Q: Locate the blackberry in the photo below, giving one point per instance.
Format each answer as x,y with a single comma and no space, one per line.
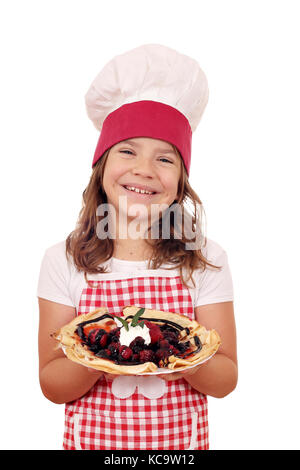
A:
171,337
137,345
114,335
94,348
114,349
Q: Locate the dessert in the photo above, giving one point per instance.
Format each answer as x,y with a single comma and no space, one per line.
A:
142,340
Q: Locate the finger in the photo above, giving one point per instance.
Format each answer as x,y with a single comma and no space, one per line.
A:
94,371
191,371
169,377
110,377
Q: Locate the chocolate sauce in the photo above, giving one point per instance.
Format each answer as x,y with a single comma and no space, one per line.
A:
94,320
198,345
79,329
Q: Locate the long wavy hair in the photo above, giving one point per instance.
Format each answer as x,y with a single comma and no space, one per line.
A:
89,252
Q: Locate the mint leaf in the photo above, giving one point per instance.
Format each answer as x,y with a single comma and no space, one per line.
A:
124,322
137,316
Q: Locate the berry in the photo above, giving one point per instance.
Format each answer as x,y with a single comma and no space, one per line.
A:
137,344
164,344
146,355
125,353
174,350
114,349
101,353
154,331
92,335
161,354
171,337
164,352
115,334
103,340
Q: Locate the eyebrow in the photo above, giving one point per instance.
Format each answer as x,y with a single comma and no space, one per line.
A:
135,144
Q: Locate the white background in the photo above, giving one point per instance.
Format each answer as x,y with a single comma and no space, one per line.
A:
244,169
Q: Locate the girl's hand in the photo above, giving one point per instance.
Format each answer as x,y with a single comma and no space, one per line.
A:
95,371
180,375
110,377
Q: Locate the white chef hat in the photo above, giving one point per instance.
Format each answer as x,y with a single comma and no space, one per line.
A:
150,91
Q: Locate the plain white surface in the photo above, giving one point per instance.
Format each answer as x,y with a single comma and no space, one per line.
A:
244,168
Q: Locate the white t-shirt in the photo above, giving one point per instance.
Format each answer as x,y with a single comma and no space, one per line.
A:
60,282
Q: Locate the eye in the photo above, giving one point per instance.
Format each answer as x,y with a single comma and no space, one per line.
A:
125,151
163,158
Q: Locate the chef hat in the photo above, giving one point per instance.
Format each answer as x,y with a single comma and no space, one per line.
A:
150,91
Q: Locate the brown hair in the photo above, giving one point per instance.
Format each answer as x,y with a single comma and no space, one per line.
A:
89,252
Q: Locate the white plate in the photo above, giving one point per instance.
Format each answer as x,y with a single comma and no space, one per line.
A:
161,371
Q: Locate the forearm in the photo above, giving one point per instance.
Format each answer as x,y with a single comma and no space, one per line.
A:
62,380
217,377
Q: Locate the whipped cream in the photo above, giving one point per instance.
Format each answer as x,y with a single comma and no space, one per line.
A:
133,332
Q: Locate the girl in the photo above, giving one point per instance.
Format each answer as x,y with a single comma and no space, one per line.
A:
146,103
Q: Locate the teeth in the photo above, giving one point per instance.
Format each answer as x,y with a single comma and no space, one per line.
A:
142,191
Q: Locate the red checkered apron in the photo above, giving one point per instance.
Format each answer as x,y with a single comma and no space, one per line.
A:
100,420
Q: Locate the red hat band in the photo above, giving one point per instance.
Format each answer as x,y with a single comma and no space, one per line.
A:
146,119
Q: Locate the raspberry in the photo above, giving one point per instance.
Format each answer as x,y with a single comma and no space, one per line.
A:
154,331
164,344
125,353
103,340
92,335
146,355
172,350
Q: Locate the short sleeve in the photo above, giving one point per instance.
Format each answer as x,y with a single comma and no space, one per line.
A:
215,285
54,277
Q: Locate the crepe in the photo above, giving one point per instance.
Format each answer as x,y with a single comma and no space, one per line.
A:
190,330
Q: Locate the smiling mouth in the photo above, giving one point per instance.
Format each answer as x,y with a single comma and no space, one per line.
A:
140,192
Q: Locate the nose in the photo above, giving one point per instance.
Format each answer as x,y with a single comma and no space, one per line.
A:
143,167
